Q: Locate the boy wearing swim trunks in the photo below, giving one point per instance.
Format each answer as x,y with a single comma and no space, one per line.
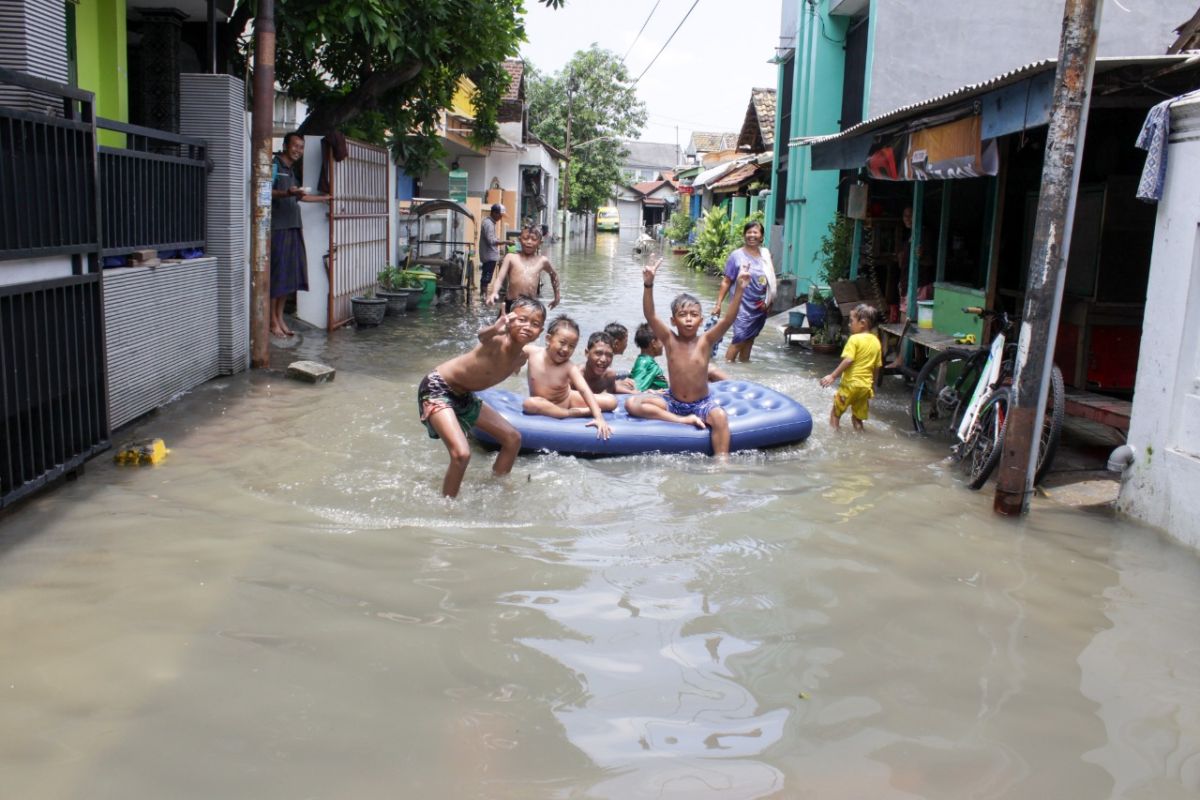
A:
446,397
688,351
862,358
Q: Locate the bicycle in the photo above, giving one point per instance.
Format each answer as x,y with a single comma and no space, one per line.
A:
981,378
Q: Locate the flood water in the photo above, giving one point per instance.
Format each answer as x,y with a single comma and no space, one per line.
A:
286,608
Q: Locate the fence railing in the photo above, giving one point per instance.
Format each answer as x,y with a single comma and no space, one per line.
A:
53,378
47,170
152,191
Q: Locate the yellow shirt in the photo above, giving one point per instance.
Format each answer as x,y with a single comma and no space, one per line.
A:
867,354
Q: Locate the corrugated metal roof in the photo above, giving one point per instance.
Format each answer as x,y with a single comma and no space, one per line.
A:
736,178
972,89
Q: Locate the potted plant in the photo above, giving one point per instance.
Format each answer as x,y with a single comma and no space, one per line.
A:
826,340
411,279
368,309
814,309
392,289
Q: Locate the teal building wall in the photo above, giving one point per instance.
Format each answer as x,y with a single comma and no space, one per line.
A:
816,103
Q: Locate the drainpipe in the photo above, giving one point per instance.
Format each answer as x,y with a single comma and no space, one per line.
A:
1121,458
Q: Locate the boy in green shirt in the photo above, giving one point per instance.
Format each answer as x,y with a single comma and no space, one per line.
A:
647,375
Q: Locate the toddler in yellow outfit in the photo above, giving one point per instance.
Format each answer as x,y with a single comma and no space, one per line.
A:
862,358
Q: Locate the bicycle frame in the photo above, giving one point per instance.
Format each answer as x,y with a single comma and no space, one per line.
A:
987,381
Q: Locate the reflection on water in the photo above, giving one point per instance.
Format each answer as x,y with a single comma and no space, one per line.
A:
287,608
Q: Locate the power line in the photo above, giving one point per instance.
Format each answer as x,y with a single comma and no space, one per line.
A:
669,38
639,33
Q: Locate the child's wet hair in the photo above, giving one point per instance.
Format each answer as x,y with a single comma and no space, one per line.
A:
617,331
562,321
644,335
599,336
866,313
682,300
526,301
534,229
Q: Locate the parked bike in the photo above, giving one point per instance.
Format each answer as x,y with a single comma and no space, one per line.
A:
965,394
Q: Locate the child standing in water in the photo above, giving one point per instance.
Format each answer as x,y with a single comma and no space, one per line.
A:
446,397
862,359
524,271
688,352
556,386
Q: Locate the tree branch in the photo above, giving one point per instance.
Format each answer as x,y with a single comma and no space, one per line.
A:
327,115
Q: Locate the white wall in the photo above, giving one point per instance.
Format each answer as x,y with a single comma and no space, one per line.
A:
925,48
34,269
1162,487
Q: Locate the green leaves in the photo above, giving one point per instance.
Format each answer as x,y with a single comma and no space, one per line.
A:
597,93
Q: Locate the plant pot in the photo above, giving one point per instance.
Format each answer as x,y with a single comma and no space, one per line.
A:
825,348
816,314
397,299
368,311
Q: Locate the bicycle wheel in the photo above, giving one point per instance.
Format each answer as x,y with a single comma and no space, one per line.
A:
1052,424
981,453
943,387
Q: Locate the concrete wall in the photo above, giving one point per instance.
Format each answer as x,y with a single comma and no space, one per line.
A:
33,40
925,49
1162,487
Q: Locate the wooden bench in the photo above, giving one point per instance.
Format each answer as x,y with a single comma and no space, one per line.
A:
1108,411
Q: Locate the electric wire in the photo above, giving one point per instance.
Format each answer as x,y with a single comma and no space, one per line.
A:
669,38
639,33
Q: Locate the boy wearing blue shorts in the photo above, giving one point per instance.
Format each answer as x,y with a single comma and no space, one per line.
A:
688,351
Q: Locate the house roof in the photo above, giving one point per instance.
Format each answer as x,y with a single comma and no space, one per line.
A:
957,96
649,187
658,156
758,129
515,68
735,178
1189,35
707,142
551,149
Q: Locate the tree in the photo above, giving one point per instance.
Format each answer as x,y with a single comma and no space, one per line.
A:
383,70
594,91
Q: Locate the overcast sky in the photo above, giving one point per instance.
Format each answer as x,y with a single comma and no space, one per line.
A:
702,81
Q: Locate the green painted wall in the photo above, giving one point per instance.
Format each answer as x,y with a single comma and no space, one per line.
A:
816,107
101,60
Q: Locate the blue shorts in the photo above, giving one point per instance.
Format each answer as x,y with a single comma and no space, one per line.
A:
701,408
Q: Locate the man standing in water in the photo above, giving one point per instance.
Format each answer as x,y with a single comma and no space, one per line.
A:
489,247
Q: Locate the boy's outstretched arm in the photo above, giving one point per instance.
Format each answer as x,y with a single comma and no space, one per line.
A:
585,391
549,268
715,333
497,328
498,281
661,331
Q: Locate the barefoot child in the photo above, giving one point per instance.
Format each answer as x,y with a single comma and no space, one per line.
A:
524,271
596,370
446,399
688,352
552,376
861,360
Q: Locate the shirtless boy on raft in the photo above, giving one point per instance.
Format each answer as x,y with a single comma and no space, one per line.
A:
688,352
446,397
524,271
597,369
556,386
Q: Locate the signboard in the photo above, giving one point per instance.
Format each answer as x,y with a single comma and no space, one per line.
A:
458,185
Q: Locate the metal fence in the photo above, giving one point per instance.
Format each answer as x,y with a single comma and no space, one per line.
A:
359,225
152,191
47,173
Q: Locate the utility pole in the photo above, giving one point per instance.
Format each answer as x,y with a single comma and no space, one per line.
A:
566,181
1048,261
260,149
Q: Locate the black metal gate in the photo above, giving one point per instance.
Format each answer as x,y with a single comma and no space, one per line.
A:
53,381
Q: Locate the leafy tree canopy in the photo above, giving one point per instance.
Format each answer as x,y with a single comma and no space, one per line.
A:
382,70
595,90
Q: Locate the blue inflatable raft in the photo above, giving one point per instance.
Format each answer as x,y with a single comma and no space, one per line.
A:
759,417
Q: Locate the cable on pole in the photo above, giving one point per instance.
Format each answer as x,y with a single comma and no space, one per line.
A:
639,33
669,38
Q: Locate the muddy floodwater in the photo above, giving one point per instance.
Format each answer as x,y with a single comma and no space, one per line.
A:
286,608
